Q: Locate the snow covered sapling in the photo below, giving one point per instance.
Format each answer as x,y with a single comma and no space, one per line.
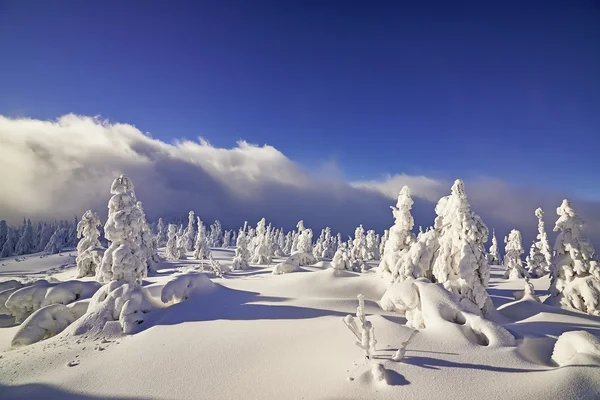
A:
364,330
512,257
216,231
122,260
494,254
226,239
147,242
460,262
242,255
400,235
372,246
172,251
161,233
215,266
88,248
540,257
575,273
261,244
201,250
189,233
383,241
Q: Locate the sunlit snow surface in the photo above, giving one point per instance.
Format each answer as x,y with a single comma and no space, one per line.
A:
255,335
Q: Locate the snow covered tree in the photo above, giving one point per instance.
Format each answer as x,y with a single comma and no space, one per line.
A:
261,244
147,241
318,247
300,226
328,245
512,256
416,261
294,247
173,251
122,260
3,233
384,239
201,250
8,249
372,246
57,241
25,244
305,241
216,232
540,257
72,234
189,233
226,239
161,233
460,261
44,236
494,254
575,273
359,250
242,255
88,248
287,248
400,235
364,330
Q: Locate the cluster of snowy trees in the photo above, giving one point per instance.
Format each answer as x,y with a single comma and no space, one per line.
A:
50,238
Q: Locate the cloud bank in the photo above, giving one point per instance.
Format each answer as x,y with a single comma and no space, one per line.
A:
57,169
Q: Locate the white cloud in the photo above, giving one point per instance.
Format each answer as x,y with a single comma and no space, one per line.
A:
55,169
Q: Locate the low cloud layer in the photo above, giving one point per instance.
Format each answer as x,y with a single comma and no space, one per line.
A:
57,169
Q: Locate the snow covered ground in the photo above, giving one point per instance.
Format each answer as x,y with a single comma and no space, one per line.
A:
255,335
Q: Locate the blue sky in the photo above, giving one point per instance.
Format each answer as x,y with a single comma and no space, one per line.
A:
506,89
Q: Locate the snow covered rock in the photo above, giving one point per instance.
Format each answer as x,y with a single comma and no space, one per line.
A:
572,343
48,321
429,305
182,287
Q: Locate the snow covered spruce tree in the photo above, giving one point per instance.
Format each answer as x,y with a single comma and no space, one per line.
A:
201,250
147,241
56,242
89,247
216,231
372,246
122,260
384,239
8,249
416,261
359,251
575,273
161,233
328,245
494,254
26,244
512,257
172,251
242,255
226,239
400,235
540,256
304,252
460,262
189,233
261,244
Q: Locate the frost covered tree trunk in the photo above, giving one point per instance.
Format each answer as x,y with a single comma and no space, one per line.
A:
400,236
512,257
460,262
575,273
89,247
122,260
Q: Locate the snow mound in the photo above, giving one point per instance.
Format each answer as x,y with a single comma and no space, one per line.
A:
48,321
301,258
181,287
116,308
286,267
429,305
572,343
70,291
11,284
24,301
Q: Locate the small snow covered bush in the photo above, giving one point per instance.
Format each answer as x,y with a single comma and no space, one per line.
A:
363,330
46,322
182,287
494,254
116,307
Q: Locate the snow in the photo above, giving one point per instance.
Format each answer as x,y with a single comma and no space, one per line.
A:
182,287
259,336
